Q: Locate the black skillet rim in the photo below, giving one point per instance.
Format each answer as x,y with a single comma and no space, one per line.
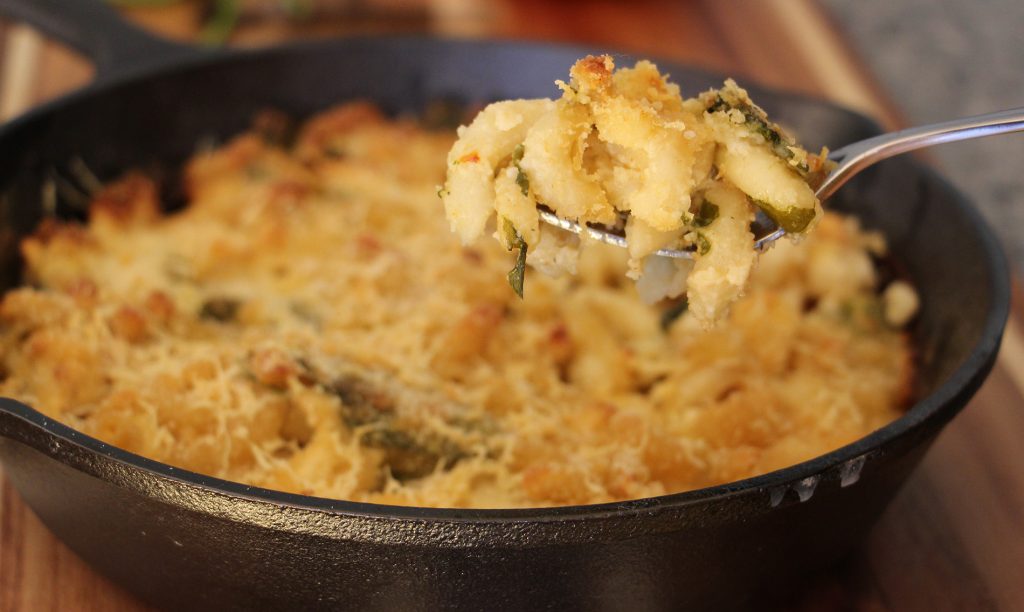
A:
960,385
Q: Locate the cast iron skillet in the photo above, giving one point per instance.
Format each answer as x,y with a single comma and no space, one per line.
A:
179,539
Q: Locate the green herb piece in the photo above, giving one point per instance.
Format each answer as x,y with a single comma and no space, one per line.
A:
703,244
517,274
523,181
220,309
222,22
392,420
256,172
521,177
511,235
756,121
409,457
409,452
794,219
514,241
674,312
863,314
706,215
440,191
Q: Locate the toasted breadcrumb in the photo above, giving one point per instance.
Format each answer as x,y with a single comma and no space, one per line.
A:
308,323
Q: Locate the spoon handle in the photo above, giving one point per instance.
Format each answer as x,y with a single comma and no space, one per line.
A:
859,155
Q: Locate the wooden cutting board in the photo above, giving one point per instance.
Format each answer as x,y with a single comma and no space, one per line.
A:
952,539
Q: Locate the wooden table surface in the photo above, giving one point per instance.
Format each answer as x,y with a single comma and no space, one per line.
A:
954,537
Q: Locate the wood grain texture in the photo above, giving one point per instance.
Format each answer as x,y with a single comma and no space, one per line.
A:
951,540
37,572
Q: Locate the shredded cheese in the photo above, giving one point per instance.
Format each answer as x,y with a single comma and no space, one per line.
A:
308,323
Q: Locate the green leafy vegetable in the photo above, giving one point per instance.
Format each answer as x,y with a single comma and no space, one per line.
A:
409,451
511,236
706,215
794,220
517,274
514,241
393,420
703,244
756,121
222,22
521,178
523,181
220,309
863,314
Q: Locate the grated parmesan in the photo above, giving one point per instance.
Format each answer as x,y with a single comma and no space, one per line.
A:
309,324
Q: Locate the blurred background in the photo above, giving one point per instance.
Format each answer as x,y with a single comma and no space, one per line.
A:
928,59
947,58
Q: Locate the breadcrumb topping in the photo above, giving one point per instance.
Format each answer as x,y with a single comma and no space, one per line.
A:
308,323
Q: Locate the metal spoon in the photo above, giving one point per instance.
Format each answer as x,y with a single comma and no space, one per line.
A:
851,159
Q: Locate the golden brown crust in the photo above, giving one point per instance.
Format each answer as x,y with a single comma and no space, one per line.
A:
314,140
132,199
592,73
315,328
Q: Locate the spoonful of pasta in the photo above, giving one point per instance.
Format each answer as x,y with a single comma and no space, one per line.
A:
622,158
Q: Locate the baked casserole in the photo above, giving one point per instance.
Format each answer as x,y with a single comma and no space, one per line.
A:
308,323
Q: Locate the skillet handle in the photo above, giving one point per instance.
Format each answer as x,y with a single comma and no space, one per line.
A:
94,28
